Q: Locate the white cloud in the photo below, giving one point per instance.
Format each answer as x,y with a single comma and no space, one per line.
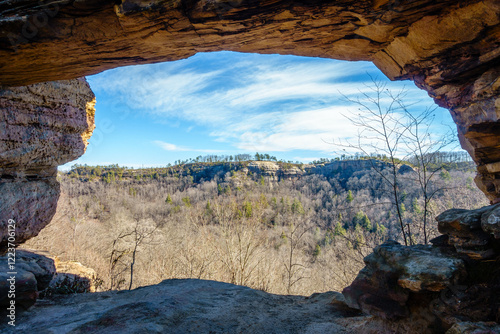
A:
170,147
278,105
175,148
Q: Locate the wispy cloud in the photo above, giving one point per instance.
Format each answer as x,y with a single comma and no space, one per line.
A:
176,148
275,104
170,147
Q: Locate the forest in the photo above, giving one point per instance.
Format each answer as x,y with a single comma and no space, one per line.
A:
273,230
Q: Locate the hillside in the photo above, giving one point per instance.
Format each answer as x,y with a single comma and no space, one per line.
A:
278,227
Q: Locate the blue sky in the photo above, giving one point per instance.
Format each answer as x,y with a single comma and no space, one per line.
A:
227,103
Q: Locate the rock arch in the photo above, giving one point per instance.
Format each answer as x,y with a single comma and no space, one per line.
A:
451,49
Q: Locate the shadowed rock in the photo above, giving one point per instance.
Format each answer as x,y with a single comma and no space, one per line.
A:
190,306
430,289
393,272
33,273
472,232
42,126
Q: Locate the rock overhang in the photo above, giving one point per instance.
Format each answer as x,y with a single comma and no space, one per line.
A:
451,49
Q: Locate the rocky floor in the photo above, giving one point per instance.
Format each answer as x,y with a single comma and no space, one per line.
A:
190,306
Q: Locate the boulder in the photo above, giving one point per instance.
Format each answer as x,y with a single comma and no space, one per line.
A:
490,222
72,277
394,272
474,328
32,273
472,232
452,285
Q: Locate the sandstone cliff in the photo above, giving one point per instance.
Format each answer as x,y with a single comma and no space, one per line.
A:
42,126
449,48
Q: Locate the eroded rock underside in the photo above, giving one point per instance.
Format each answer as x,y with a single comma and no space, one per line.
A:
449,48
430,289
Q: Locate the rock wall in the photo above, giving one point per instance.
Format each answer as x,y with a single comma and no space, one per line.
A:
449,48
42,126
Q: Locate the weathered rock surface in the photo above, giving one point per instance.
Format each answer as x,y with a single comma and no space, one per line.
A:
274,171
72,277
41,126
449,48
453,285
472,232
394,273
475,328
190,306
490,222
93,36
33,273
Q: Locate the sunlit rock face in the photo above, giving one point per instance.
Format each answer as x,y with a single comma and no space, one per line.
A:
449,48
42,126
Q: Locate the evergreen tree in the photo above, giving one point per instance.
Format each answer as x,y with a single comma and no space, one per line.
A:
187,201
350,197
317,251
339,230
297,207
262,180
247,208
168,200
208,208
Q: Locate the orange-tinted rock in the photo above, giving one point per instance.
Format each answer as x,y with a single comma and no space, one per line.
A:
449,48
73,277
41,126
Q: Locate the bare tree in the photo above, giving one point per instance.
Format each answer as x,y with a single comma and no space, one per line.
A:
127,243
425,146
239,246
294,269
381,130
389,129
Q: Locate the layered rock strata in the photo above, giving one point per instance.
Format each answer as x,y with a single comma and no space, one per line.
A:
449,48
42,126
449,285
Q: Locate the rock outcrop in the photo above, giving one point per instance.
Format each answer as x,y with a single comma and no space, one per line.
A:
451,285
42,126
449,48
72,277
474,233
189,306
33,273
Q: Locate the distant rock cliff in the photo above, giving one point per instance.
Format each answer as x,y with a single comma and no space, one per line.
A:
270,170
